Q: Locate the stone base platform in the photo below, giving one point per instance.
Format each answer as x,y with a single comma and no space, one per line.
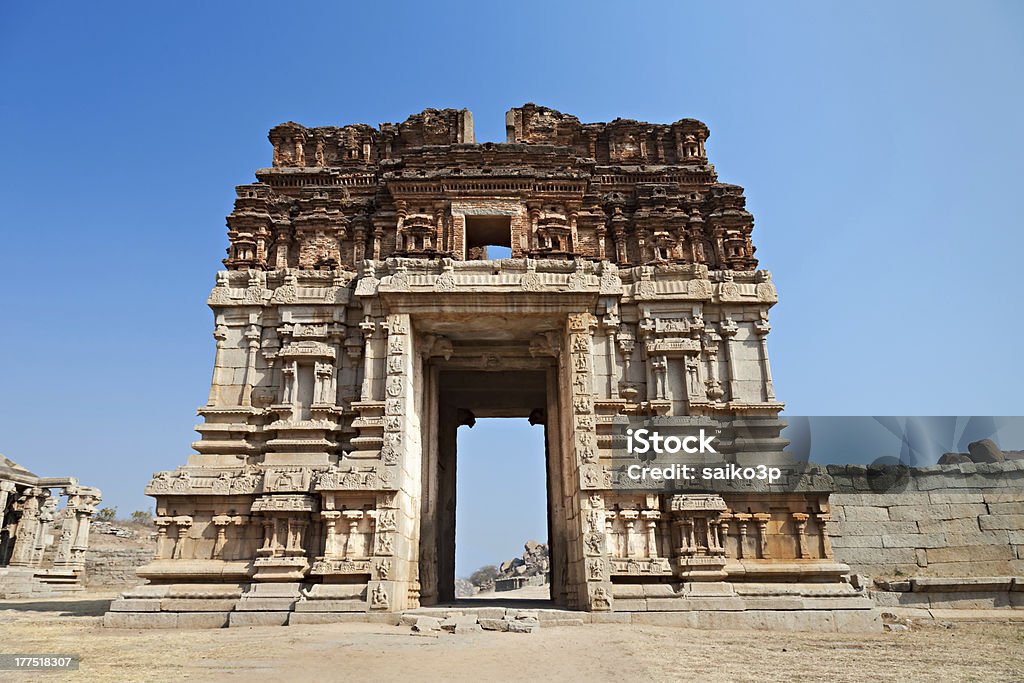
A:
829,621
27,582
188,606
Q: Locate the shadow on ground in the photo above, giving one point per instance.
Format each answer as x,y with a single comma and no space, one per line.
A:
66,608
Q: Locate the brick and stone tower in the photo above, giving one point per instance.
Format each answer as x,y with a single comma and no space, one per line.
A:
359,323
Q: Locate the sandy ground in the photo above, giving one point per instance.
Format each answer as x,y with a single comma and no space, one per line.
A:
365,652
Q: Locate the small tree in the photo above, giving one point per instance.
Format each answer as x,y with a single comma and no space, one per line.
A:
484,577
142,517
106,515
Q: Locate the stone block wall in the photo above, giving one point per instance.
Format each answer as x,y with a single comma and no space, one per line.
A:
115,567
942,521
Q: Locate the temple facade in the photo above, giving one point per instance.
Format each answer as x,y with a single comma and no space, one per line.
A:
359,322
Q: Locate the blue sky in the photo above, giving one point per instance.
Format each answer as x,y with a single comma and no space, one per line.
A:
879,144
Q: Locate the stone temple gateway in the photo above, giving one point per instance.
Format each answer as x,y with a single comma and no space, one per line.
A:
359,323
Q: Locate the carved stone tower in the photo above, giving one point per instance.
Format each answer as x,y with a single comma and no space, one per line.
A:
359,322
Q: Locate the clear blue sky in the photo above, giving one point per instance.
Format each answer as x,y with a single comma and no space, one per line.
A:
880,145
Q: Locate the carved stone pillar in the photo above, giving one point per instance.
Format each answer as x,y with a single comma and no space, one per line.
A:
330,518
352,549
610,546
269,537
369,329
47,514
728,329
378,235
619,228
161,524
710,350
626,343
220,333
220,522
296,537
826,542
762,519
252,336
358,244
742,518
762,328
801,539
182,524
651,518
28,528
610,326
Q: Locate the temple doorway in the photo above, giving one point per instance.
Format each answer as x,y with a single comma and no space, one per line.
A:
472,485
501,513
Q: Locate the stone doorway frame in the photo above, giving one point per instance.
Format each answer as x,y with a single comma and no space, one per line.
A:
480,332
458,392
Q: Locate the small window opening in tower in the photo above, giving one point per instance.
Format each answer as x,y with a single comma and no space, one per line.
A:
488,237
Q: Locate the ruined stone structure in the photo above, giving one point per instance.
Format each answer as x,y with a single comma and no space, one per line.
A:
359,323
42,548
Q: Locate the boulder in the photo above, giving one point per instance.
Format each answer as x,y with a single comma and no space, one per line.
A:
985,450
954,458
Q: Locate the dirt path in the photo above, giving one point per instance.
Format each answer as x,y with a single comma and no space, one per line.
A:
366,652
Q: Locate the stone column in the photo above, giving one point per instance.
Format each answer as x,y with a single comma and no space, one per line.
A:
762,328
28,528
728,329
358,244
714,383
85,506
801,540
220,333
330,518
221,522
609,534
68,535
826,543
182,525
252,336
651,518
762,519
353,517
269,537
610,326
620,239
629,518
589,577
161,536
742,518
368,328
7,490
